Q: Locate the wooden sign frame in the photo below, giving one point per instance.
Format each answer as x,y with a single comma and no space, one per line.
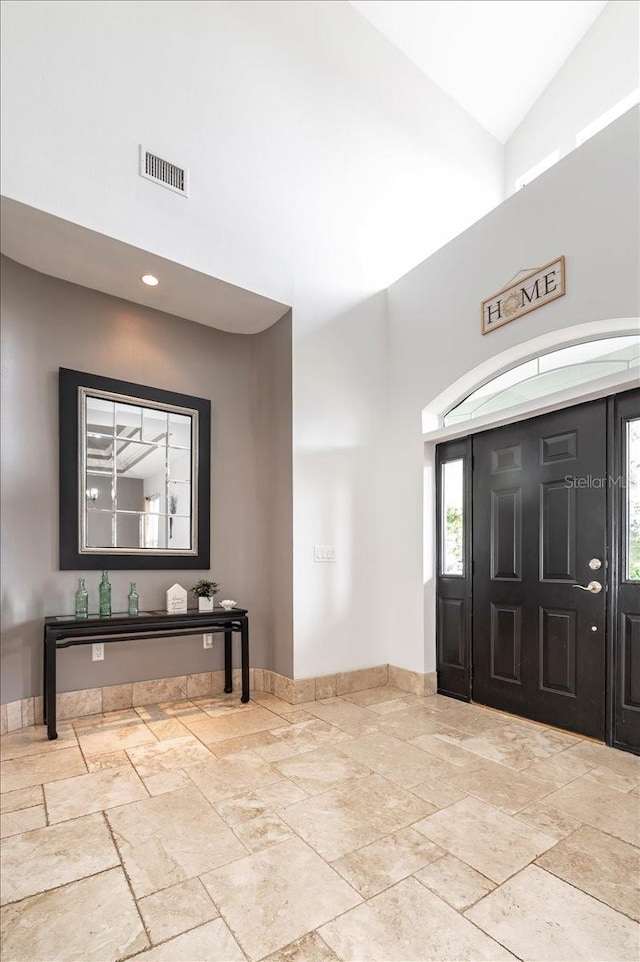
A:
527,294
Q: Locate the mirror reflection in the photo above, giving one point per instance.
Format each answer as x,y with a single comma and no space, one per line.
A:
138,466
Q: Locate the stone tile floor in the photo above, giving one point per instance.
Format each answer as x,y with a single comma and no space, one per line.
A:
374,827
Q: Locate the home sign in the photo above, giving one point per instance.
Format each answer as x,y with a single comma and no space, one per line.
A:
530,292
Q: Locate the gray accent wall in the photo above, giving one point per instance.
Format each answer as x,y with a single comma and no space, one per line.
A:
49,323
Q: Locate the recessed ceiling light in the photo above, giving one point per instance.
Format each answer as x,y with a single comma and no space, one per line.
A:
150,280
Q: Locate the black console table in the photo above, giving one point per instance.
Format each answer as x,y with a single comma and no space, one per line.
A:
65,631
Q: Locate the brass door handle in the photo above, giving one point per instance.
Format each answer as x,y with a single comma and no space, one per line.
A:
594,587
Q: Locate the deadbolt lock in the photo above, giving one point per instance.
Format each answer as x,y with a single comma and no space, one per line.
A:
595,564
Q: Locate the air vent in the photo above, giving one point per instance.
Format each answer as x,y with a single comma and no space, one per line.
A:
164,172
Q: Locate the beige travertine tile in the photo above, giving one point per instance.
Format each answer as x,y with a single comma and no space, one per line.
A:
310,948
410,722
277,705
458,884
613,812
37,769
298,715
352,815
516,744
34,741
38,704
169,729
318,771
253,821
212,730
301,737
257,676
602,756
349,681
24,820
403,764
613,779
548,819
84,794
397,704
159,690
14,716
46,926
222,704
175,910
49,857
199,685
290,891
500,786
221,778
74,704
374,696
99,763
4,721
283,687
217,682
165,782
379,865
326,686
408,922
247,744
495,844
600,865
280,794
412,681
304,690
438,793
166,710
22,798
351,718
105,722
212,942
558,769
538,916
28,712
113,736
117,697
170,838
445,749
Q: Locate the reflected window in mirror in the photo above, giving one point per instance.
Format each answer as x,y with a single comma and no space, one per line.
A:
141,491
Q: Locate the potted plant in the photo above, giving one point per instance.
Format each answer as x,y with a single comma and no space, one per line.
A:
204,591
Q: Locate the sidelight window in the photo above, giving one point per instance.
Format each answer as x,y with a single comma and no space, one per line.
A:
632,483
452,518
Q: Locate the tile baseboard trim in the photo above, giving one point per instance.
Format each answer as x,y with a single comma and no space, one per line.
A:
27,712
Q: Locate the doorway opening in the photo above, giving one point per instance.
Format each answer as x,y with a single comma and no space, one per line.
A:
538,579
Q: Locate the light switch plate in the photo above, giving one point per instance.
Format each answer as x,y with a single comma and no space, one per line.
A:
324,552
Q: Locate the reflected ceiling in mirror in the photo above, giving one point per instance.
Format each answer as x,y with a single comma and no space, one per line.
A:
140,495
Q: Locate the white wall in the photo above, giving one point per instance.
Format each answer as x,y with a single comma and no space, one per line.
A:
602,70
587,208
323,165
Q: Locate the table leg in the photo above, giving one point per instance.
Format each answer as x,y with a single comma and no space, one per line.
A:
228,661
50,686
244,636
44,677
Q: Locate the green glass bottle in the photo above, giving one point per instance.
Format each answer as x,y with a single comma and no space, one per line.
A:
82,600
105,596
133,600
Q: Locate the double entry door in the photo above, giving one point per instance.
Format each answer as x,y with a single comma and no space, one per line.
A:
539,569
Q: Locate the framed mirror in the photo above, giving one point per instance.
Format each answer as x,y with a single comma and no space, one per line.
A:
134,475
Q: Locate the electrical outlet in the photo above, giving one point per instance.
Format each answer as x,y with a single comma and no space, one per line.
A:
207,641
97,652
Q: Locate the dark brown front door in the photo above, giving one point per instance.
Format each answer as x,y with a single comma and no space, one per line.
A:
539,538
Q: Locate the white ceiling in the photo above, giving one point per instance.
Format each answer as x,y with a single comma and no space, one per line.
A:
57,247
494,57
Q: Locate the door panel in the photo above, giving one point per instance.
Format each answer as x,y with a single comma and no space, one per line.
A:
625,619
453,527
539,500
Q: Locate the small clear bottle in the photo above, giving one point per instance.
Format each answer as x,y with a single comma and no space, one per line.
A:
133,600
82,600
105,596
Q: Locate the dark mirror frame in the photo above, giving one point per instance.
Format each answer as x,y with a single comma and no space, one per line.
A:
71,558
